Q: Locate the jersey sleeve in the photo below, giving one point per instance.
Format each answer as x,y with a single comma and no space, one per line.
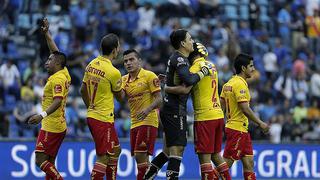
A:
85,77
241,93
184,74
123,79
153,82
222,95
116,81
58,87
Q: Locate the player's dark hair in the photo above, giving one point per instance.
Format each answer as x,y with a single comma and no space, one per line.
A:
109,43
177,36
137,54
242,60
60,57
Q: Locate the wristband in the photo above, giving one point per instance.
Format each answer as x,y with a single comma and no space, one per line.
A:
43,114
200,74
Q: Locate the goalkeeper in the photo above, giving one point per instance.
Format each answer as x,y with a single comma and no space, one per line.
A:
173,114
208,117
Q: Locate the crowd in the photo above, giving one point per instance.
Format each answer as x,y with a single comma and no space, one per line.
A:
282,36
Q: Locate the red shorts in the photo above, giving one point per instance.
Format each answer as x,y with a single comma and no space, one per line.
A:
49,142
238,144
104,136
142,139
208,136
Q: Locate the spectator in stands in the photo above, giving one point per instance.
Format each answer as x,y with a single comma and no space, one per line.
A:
4,124
270,64
116,20
275,130
283,86
26,90
299,112
80,18
72,118
315,85
23,110
300,88
313,30
146,17
132,18
313,113
284,20
219,36
10,79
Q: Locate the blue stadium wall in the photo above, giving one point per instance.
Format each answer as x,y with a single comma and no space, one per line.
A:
75,160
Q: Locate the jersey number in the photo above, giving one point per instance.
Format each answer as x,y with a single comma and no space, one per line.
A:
92,90
214,87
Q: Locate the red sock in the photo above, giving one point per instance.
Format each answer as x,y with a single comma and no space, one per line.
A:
98,171
223,169
142,168
111,171
50,170
206,171
215,174
249,175
48,177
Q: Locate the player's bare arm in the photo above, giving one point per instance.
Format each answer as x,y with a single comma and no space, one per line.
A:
156,104
178,89
247,111
45,29
84,94
120,96
223,104
36,119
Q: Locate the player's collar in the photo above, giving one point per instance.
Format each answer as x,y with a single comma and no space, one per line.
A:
104,59
138,76
242,79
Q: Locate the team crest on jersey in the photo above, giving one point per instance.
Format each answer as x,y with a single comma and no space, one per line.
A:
156,82
242,91
58,88
181,61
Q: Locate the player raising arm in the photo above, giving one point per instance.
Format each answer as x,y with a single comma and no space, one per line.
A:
52,118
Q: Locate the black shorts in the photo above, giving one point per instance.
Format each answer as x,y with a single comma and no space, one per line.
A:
175,129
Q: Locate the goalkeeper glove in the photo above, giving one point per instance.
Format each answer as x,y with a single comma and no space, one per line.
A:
205,70
202,50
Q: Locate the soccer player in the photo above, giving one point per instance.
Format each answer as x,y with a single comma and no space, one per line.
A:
101,82
174,110
235,98
53,122
208,116
142,89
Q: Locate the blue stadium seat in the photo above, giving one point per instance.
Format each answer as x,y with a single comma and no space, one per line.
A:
244,1
230,2
262,2
244,12
264,14
24,21
231,12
